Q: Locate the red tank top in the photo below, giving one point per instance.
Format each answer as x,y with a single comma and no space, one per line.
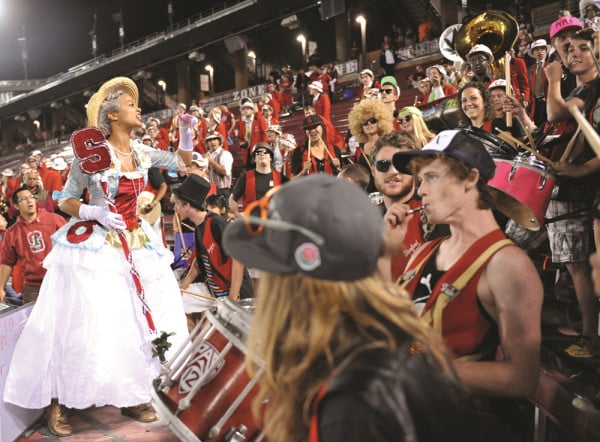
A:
250,187
457,314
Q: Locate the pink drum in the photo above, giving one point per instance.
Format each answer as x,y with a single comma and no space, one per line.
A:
526,186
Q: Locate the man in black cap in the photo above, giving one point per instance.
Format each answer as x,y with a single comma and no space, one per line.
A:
224,276
479,289
253,184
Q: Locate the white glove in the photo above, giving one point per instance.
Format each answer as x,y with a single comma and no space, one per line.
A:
110,220
186,124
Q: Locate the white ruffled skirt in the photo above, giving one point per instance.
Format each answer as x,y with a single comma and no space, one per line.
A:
86,341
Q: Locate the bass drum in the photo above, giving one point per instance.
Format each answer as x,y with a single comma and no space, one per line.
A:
496,147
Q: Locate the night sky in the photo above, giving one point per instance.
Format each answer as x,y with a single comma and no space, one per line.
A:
57,31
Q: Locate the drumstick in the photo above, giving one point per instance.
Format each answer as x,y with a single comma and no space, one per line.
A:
509,115
180,232
588,131
199,295
506,136
328,153
596,63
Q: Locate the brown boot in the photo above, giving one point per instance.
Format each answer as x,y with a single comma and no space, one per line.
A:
141,413
56,418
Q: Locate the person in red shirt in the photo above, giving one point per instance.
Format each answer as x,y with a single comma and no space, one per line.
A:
9,185
286,81
519,79
53,181
321,101
251,127
159,134
28,240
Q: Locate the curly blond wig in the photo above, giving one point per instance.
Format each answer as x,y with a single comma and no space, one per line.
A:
370,109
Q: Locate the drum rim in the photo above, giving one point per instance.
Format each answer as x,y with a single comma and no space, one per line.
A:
221,327
173,422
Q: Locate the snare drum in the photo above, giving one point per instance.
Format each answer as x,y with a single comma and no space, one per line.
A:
496,147
205,393
526,186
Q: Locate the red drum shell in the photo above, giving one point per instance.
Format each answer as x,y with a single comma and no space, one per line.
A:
219,390
525,187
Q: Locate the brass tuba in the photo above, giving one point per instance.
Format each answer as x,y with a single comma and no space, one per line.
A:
498,30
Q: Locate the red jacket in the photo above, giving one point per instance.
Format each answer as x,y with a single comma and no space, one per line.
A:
30,243
544,87
519,79
258,131
323,106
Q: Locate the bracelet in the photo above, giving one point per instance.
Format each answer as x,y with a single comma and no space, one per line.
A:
153,203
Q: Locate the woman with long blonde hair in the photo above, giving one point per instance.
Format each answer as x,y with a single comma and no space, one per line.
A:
411,121
344,357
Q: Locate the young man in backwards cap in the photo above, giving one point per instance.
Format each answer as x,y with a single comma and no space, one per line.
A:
479,290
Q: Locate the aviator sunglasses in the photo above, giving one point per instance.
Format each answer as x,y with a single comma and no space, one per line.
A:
255,218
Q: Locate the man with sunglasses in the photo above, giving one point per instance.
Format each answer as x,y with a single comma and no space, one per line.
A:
398,189
29,241
253,185
223,275
390,92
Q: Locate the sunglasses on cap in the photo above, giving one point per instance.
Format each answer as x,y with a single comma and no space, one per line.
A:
372,120
383,165
261,152
256,218
388,91
405,119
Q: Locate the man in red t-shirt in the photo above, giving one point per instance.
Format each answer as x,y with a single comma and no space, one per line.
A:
28,240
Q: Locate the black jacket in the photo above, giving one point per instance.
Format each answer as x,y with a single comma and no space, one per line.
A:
395,396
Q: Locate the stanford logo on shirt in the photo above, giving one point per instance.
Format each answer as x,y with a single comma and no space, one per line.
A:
36,241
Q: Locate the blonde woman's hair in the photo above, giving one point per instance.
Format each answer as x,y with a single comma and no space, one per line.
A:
421,132
366,109
306,329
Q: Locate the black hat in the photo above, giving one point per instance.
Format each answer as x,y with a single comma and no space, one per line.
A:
311,121
193,190
263,145
320,226
454,143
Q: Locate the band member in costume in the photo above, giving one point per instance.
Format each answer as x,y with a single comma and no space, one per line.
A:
316,155
88,339
479,290
369,120
364,368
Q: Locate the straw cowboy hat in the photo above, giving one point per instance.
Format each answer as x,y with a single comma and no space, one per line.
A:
124,84
144,199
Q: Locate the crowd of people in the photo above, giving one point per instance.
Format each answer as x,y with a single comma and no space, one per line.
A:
394,292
